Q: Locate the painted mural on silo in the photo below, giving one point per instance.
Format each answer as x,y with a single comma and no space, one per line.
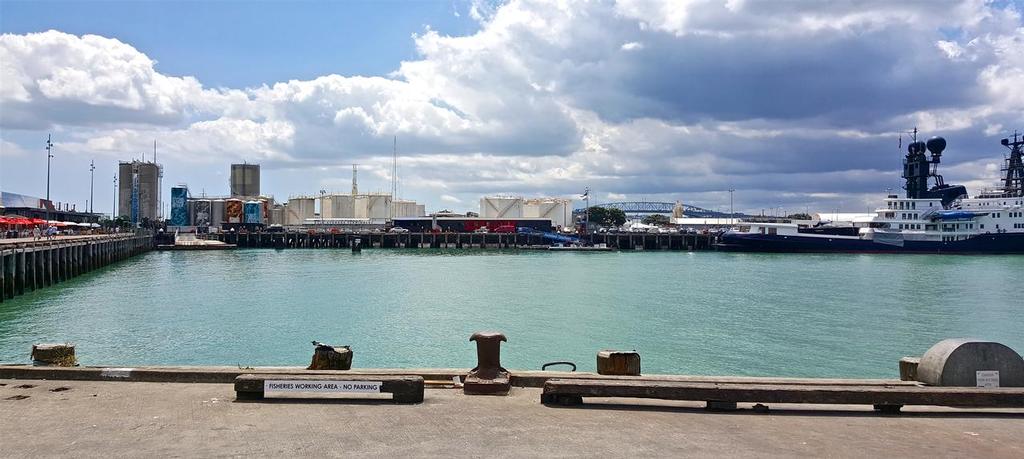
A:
252,212
179,208
233,208
202,213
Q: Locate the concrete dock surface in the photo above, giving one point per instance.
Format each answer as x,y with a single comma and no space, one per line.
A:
47,418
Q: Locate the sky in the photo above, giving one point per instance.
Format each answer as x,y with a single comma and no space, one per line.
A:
797,105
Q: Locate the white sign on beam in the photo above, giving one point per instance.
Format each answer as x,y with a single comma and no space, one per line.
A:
987,378
361,387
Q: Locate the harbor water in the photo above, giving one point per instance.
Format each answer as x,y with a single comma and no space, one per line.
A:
704,313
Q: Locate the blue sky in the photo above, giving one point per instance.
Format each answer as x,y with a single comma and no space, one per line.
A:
793,104
240,44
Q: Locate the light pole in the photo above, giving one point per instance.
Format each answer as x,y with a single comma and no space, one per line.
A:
732,214
586,210
92,175
322,193
49,154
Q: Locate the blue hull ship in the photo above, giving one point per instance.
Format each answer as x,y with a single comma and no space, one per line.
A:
937,219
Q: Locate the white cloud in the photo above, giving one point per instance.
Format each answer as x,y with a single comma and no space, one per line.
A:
543,100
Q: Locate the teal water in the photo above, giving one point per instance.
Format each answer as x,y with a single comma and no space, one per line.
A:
691,313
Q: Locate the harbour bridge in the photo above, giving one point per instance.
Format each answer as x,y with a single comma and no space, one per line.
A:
640,208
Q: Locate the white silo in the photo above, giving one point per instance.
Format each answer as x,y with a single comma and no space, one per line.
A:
558,210
374,206
338,206
501,207
299,209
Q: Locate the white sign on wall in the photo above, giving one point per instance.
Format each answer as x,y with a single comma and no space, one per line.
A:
987,378
361,387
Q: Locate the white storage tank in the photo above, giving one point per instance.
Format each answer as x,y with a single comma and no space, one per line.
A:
299,209
501,207
404,208
217,213
373,206
338,206
558,210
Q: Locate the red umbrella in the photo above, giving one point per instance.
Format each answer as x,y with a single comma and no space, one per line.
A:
3,220
38,221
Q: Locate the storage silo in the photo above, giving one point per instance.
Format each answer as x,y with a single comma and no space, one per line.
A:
338,206
245,180
501,207
179,206
276,216
201,213
190,211
217,213
298,210
558,210
233,210
373,206
253,211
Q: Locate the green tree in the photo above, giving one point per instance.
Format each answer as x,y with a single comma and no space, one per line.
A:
799,216
607,217
656,219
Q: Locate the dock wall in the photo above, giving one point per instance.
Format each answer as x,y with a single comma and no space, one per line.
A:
29,266
626,241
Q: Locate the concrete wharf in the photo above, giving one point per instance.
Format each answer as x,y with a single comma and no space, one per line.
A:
621,241
27,264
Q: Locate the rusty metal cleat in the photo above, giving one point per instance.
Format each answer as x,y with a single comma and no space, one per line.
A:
488,378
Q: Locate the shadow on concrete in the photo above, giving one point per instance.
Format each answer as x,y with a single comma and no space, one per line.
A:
791,411
323,401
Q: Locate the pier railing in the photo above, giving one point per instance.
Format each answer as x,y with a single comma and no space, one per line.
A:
27,265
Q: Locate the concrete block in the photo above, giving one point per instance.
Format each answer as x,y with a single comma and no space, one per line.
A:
60,355
908,368
620,363
971,363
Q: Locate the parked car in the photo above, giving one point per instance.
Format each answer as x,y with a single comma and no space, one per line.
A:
481,230
398,229
505,229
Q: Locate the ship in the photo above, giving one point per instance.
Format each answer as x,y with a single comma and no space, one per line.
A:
932,216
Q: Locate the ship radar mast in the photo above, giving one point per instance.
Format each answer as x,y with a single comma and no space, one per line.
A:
918,168
1013,180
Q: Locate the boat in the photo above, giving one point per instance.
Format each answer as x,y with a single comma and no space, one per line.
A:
189,241
940,218
580,248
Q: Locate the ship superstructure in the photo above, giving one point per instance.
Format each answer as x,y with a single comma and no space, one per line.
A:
932,216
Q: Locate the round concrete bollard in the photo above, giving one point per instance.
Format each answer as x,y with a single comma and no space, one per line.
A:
971,363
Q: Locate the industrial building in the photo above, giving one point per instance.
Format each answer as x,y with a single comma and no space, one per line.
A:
245,180
471,224
138,190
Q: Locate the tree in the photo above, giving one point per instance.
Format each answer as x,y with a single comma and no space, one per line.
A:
656,219
607,217
799,216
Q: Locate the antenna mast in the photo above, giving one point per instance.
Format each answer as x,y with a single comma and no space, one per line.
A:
394,176
355,187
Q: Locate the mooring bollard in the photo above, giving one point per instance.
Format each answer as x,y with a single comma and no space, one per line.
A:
57,355
488,378
971,363
618,363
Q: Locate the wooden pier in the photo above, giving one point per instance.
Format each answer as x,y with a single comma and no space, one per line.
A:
623,241
27,265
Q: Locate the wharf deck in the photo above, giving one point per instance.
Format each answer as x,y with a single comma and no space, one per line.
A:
103,419
617,241
27,265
